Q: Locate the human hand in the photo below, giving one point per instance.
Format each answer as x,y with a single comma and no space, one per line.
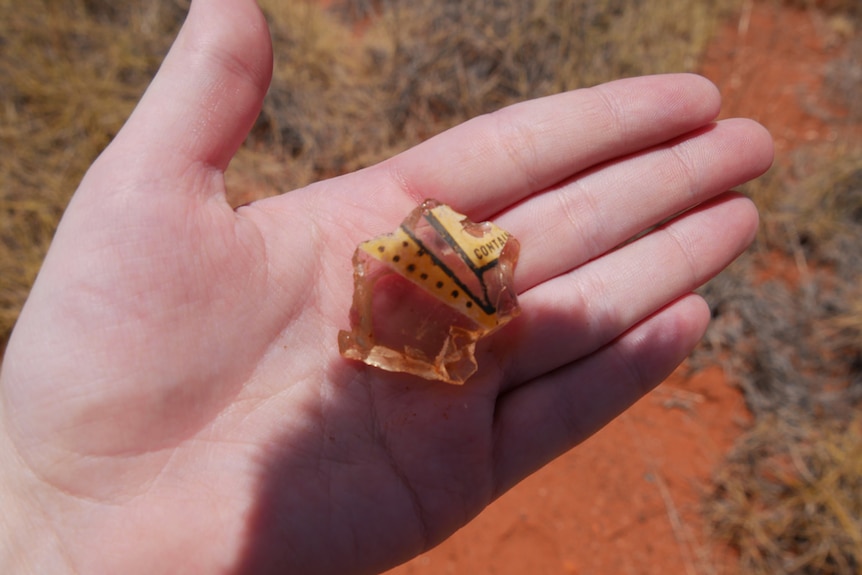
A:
173,397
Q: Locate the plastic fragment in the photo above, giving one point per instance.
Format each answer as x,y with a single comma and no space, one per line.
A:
426,293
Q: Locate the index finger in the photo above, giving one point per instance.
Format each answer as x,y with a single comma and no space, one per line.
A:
492,161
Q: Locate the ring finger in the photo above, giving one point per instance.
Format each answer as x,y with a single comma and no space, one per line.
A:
576,313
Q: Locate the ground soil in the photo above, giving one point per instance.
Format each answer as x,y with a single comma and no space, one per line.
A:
770,65
628,500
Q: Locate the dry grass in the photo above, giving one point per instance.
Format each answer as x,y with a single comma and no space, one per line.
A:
787,315
788,328
793,342
443,62
72,71
790,498
342,99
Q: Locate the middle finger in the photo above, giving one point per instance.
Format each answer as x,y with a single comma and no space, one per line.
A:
593,213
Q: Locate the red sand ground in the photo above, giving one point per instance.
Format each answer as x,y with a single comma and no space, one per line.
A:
627,501
624,502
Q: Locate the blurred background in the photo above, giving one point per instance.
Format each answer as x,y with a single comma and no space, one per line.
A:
749,459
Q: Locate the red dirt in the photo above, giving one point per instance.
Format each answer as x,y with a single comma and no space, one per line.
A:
628,500
624,502
770,66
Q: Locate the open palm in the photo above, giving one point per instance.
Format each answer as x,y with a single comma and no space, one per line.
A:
173,397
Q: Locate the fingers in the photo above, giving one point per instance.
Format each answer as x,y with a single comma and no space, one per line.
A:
535,423
577,313
493,161
584,218
206,95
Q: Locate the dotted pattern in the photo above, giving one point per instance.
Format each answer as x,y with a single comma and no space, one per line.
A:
404,254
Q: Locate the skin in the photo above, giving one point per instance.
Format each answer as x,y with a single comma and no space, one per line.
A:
173,400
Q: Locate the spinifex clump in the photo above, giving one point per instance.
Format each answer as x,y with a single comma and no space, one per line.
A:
425,294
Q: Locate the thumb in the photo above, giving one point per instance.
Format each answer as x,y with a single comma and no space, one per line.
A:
207,93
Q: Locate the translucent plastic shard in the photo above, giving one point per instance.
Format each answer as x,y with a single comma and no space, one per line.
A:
426,293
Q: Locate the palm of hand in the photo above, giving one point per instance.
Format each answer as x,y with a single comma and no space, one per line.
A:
175,378
202,345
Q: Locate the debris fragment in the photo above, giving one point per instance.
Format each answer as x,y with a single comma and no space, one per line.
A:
426,293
